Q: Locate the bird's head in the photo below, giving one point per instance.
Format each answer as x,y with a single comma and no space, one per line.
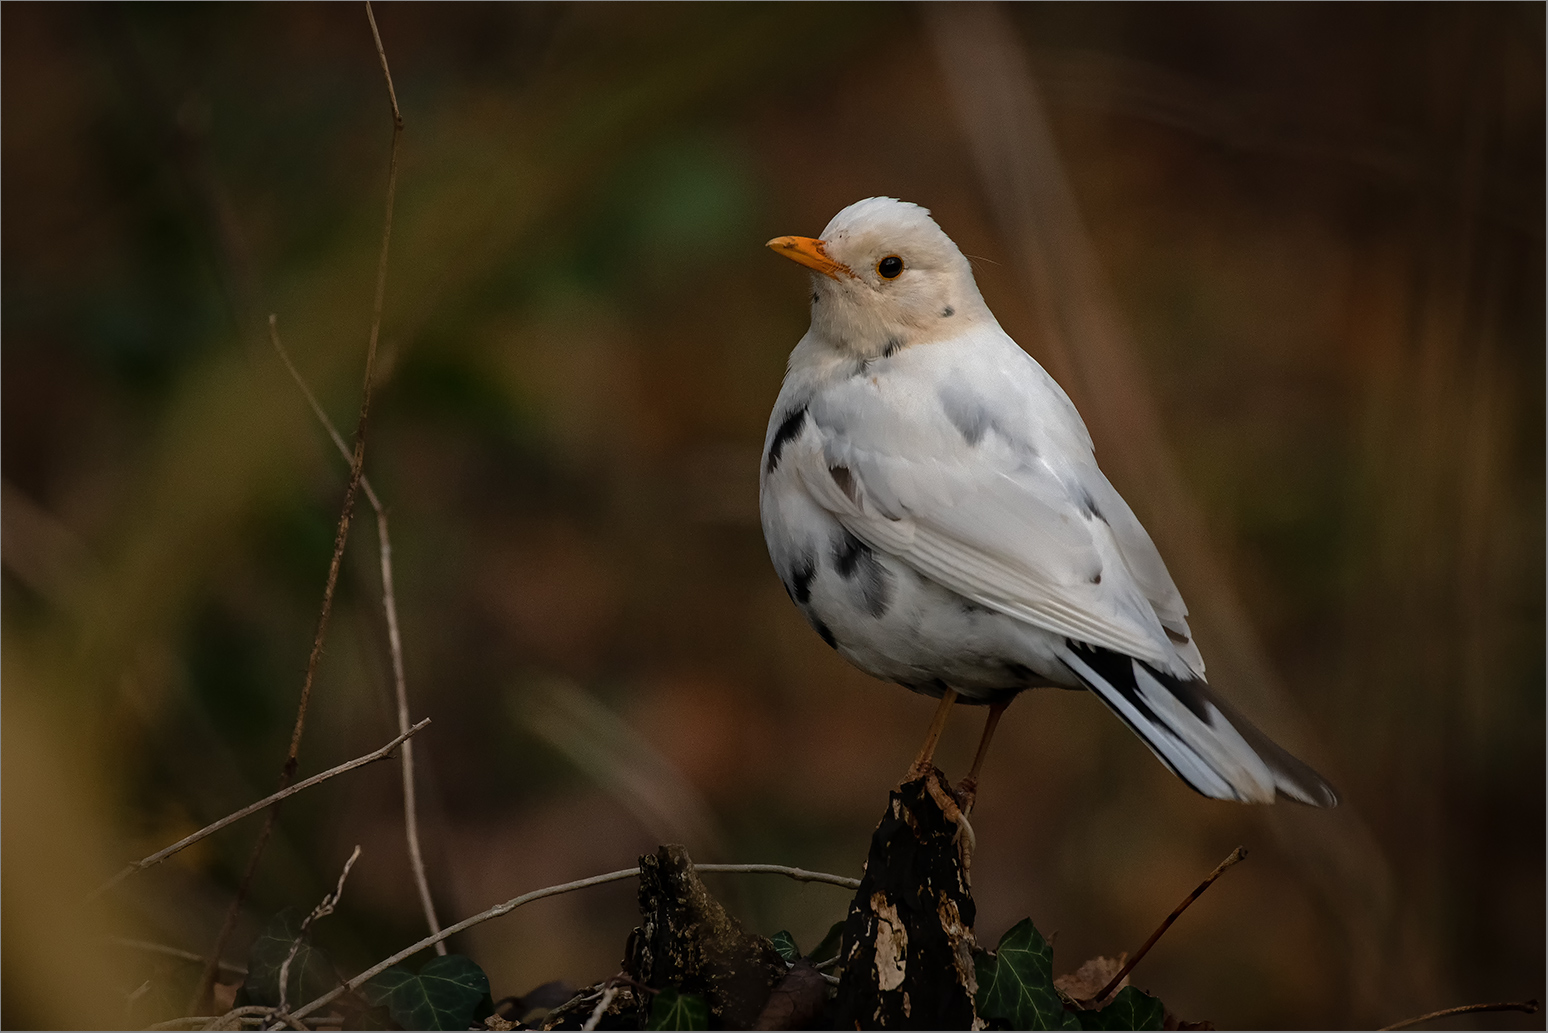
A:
885,277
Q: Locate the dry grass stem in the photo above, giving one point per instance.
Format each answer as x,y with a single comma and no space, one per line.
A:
252,808
1530,1007
1112,984
165,950
323,909
506,908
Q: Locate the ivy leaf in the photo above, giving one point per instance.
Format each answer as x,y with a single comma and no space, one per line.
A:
1015,983
311,974
445,994
786,945
672,1010
1129,1009
830,945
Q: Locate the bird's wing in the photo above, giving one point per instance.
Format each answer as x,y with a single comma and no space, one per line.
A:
972,466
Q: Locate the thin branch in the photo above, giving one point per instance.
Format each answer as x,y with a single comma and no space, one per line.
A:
506,908
394,639
252,808
1530,1007
799,874
392,95
357,464
322,910
163,949
1236,855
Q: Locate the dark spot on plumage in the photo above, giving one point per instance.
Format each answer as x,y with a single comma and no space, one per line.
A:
966,411
893,345
1088,507
1177,637
800,584
972,609
1096,579
948,312
848,552
827,636
815,299
854,561
789,428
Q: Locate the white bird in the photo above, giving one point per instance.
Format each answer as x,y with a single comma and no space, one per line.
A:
932,503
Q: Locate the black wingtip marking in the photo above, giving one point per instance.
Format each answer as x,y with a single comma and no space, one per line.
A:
1118,669
827,636
894,344
789,427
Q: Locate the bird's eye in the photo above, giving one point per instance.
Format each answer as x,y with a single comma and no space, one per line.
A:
889,267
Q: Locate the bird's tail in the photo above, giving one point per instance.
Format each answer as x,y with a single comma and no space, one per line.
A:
1205,743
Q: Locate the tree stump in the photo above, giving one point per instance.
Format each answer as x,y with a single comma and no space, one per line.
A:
908,939
688,941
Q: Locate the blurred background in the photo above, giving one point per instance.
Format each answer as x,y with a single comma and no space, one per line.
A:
1288,260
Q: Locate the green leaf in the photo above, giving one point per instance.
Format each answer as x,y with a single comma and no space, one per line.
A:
786,945
831,944
1015,983
1129,1009
445,994
672,1010
311,974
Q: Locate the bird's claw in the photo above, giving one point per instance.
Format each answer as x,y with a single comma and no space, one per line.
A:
967,794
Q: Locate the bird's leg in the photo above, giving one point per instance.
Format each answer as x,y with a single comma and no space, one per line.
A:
967,789
926,760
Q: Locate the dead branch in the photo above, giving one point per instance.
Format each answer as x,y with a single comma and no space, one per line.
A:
800,874
252,808
322,910
1112,984
394,639
1530,1007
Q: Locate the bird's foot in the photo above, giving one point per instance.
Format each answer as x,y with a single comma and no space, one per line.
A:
967,794
948,801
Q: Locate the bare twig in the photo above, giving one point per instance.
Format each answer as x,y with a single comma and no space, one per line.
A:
171,952
252,808
389,599
1530,1007
341,538
394,639
392,95
799,874
506,908
322,910
1236,855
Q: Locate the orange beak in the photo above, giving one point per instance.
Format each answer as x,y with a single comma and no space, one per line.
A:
810,252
